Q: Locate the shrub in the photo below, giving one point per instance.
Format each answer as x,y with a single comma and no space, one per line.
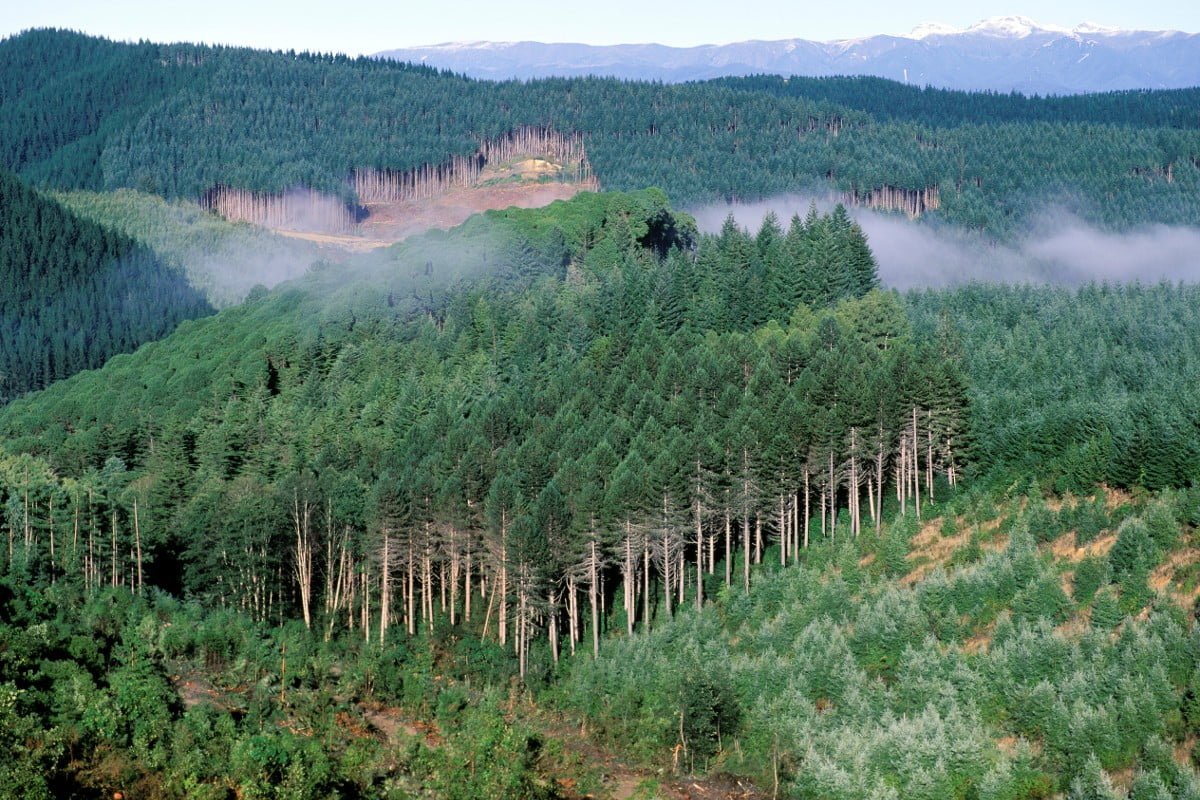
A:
1134,550
1090,574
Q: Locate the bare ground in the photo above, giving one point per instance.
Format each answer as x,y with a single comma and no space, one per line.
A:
387,223
623,781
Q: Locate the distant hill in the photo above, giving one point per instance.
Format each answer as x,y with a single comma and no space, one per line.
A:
262,129
1000,54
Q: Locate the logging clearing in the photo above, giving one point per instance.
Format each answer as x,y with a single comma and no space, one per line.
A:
527,168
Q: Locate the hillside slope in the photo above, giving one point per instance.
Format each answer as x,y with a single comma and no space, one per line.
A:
73,293
271,123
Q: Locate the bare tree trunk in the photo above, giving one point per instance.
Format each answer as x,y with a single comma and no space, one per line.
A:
916,465
366,600
503,587
427,579
385,587
552,601
467,585
628,580
699,557
783,534
728,549
50,522
455,569
410,589
301,515
112,548
758,538
646,575
746,549
594,594
572,612
807,511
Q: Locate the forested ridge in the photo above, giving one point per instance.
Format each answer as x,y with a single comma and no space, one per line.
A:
73,294
607,336
929,105
270,122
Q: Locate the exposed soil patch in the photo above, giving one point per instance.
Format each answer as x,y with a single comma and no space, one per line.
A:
1176,576
391,722
1065,548
342,241
387,223
930,549
622,781
525,183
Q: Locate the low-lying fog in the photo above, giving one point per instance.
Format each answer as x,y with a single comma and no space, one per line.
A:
1065,250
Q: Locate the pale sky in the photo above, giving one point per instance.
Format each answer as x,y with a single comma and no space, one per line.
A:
368,26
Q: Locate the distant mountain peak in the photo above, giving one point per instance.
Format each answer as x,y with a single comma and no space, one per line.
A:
927,29
1007,53
1014,27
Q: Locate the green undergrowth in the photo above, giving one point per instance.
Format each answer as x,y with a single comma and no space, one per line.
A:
158,699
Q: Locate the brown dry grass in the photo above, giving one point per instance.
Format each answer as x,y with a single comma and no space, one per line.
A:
1065,548
1165,578
1183,751
1074,628
981,641
929,549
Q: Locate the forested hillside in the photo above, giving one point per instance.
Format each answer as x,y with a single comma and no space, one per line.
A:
581,501
272,122
884,99
1079,387
595,325
73,294
717,494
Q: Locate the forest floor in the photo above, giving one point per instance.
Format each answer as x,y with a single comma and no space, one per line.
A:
618,779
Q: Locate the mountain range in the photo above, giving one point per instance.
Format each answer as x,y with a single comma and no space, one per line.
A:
999,54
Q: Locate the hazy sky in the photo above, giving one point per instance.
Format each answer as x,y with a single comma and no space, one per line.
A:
368,26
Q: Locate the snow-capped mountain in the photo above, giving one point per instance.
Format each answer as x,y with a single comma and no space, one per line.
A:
1001,54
